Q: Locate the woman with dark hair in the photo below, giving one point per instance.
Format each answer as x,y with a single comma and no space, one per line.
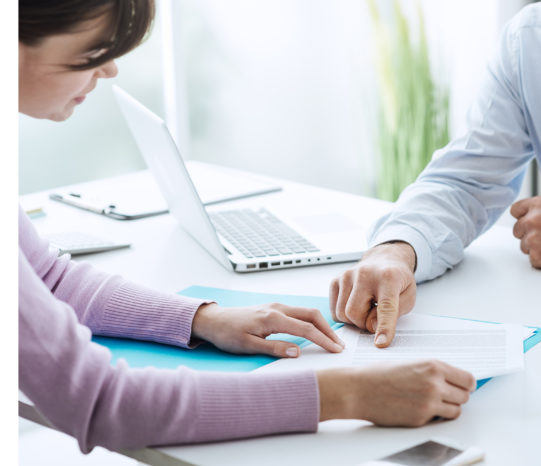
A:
65,46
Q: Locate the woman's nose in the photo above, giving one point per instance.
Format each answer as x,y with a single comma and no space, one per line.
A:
108,70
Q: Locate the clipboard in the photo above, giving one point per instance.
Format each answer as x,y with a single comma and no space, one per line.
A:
123,199
109,210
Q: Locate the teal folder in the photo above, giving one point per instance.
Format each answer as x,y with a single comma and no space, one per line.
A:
208,357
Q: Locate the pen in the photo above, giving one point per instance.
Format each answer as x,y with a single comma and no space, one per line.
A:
77,201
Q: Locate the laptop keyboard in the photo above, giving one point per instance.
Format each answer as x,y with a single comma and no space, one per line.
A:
259,233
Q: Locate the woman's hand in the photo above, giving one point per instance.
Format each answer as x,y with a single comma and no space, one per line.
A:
244,329
409,394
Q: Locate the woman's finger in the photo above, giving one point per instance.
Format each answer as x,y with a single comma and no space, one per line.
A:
455,395
448,410
315,317
280,349
282,323
459,377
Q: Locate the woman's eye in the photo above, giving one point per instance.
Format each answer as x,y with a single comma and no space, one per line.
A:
96,54
87,58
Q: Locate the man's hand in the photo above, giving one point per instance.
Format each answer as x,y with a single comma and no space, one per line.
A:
379,289
528,227
244,329
394,394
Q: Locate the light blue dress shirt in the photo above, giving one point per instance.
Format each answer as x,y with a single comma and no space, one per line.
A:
470,182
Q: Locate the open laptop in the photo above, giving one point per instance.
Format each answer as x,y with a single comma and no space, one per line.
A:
243,240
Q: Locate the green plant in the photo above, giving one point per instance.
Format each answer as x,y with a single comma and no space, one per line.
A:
414,119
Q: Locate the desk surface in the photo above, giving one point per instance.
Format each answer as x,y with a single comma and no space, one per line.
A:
494,282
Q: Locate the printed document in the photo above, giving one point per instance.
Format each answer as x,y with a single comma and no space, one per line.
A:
484,349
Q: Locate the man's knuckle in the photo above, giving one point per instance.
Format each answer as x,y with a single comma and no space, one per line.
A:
335,284
343,318
358,320
387,305
362,274
390,274
350,307
344,281
526,223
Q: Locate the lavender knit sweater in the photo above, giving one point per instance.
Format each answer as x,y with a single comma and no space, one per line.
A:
72,383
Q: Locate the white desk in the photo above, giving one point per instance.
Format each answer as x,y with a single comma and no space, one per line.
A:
494,282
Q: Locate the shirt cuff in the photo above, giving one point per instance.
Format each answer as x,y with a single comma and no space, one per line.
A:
417,242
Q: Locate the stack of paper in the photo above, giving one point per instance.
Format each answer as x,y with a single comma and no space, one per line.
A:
484,349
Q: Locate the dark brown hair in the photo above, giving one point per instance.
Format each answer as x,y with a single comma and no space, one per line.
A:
129,23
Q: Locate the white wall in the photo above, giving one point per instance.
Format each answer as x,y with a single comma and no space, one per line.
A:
281,87
287,87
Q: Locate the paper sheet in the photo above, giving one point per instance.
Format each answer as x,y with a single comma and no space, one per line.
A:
485,350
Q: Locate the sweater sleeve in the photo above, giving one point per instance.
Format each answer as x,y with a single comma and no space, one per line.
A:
108,305
72,383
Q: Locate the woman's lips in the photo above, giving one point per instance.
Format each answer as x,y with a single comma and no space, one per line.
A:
80,100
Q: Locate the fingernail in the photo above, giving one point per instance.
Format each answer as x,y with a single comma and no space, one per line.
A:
381,339
292,352
338,347
342,342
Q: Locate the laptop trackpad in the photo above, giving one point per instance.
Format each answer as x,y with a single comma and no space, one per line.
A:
326,223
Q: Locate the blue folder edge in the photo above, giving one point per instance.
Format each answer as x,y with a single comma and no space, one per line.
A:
209,358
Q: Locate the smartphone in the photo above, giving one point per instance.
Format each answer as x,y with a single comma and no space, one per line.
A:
431,453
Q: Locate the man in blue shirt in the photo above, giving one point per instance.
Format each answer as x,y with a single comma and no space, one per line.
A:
461,193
